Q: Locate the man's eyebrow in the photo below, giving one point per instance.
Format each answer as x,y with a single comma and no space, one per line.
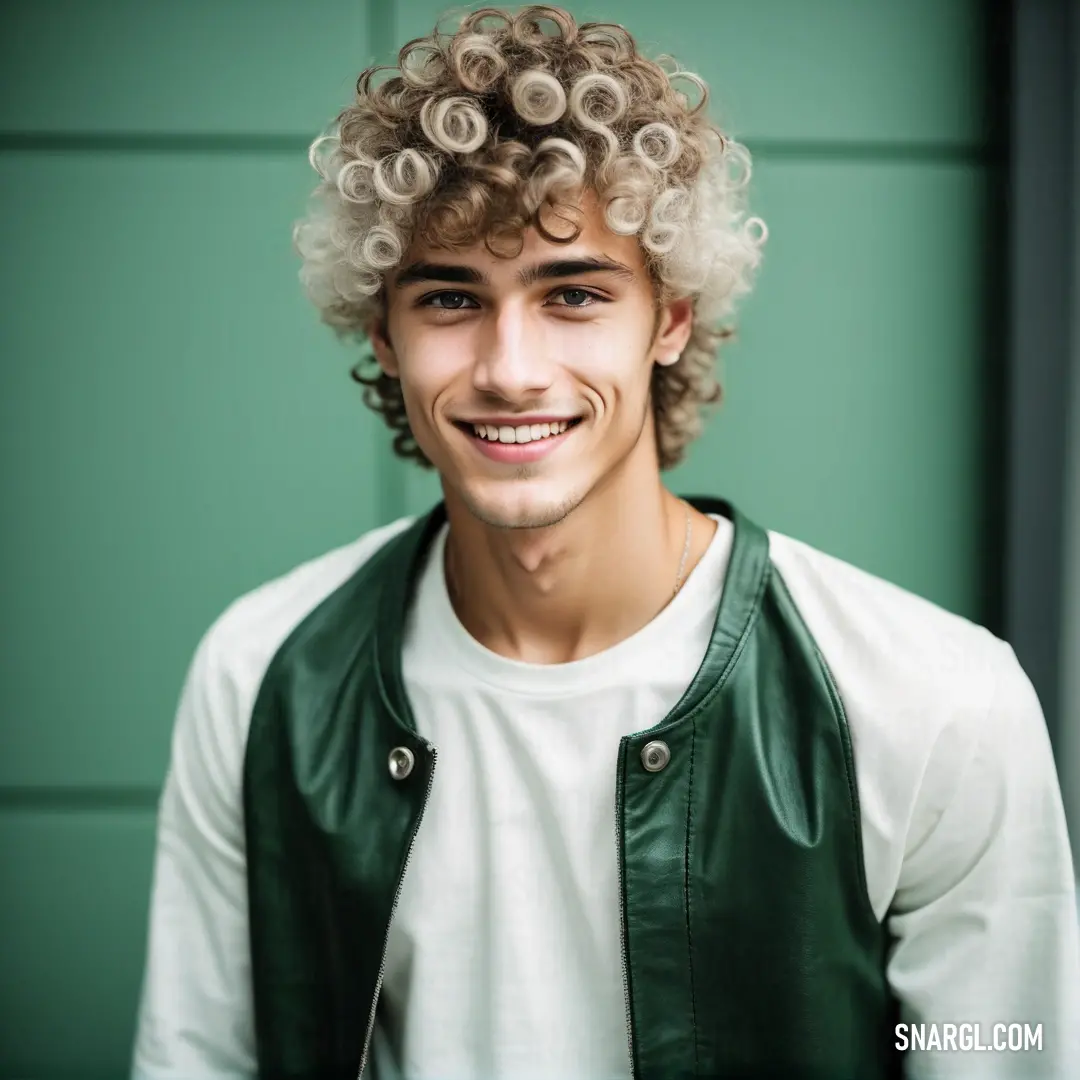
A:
553,268
427,271
564,268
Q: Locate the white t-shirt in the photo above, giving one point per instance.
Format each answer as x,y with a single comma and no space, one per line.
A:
518,839
503,960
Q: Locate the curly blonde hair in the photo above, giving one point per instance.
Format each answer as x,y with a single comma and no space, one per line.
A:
501,126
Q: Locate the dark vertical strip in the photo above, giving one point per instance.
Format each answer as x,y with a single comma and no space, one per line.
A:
1042,178
996,28
1069,733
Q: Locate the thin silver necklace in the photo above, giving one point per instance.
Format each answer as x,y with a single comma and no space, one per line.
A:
685,552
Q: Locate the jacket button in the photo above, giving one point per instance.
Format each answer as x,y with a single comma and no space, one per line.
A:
401,762
655,755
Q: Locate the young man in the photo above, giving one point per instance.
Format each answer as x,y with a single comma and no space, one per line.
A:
572,777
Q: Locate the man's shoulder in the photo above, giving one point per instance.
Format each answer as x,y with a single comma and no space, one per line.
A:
866,618
924,693
241,642
910,674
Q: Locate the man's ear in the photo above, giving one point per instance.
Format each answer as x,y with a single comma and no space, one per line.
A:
379,337
673,330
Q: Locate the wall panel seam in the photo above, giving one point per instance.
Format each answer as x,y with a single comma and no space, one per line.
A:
78,798
765,149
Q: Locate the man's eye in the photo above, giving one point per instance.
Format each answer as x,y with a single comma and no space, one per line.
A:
576,298
448,301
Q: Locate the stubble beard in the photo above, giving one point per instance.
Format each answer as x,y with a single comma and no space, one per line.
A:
529,517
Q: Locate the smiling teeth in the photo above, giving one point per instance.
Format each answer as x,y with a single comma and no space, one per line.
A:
524,433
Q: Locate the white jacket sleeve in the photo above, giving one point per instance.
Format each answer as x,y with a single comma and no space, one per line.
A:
195,1014
985,912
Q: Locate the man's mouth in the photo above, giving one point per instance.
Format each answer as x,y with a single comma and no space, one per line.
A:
520,433
517,444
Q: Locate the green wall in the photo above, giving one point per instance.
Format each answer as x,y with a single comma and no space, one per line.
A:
176,427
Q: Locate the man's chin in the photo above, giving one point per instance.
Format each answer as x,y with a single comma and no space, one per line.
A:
527,507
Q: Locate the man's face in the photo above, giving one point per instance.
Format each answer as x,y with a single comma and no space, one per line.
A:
526,380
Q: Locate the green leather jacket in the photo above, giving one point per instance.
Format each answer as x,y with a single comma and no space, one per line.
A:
749,944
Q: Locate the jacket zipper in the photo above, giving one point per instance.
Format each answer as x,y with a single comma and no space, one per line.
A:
622,915
393,908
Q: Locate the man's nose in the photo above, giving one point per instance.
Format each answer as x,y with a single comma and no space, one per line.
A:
513,360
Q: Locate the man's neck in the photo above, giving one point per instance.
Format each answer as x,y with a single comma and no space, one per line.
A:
573,589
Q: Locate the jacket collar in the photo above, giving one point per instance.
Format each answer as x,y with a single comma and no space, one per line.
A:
745,581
